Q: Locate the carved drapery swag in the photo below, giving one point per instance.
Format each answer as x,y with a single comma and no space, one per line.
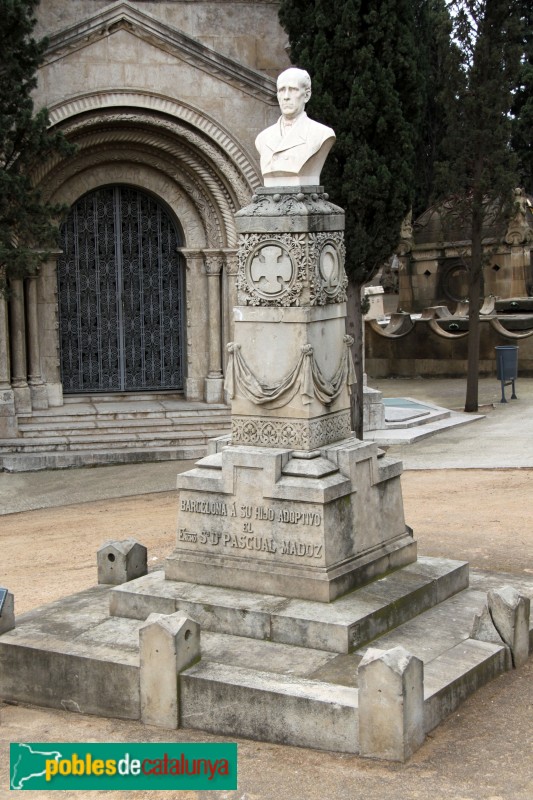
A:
306,378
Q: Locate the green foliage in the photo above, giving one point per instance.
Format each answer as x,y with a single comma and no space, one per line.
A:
479,166
362,58
27,223
434,52
522,124
475,179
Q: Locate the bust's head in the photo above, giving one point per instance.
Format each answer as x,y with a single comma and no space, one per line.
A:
294,91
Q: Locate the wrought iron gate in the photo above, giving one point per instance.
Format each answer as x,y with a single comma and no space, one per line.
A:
120,295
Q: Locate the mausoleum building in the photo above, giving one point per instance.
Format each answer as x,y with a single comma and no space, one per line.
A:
163,101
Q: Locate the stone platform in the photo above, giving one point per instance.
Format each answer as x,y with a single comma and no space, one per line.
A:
271,668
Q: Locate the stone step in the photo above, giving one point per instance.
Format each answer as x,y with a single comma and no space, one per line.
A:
96,439
235,701
90,416
76,427
415,422
55,640
35,461
341,626
391,436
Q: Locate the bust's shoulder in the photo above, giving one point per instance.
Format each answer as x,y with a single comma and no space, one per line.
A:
273,131
319,130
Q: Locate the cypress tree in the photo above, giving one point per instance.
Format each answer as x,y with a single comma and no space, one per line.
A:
522,124
475,180
27,223
366,84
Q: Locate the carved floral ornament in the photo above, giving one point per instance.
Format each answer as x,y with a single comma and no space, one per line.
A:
296,434
306,377
277,269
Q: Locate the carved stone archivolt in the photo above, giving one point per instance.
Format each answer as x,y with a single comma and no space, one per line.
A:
296,434
159,107
188,146
306,378
187,171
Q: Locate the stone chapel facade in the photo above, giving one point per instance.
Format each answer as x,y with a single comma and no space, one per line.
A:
164,101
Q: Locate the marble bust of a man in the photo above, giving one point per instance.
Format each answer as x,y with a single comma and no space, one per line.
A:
294,149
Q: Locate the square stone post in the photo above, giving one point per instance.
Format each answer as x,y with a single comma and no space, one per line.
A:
168,645
510,614
391,704
7,615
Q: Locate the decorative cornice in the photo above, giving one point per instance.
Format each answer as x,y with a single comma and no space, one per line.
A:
124,16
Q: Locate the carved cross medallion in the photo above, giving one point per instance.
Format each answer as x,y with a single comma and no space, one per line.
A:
271,270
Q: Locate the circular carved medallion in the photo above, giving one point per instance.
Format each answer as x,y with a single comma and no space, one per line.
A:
270,270
329,268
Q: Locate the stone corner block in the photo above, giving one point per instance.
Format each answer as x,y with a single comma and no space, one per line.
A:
510,612
391,704
217,444
7,617
168,644
121,561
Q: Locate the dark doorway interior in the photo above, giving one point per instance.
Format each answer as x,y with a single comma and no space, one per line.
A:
120,295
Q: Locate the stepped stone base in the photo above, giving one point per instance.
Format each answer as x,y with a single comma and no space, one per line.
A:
341,627
271,668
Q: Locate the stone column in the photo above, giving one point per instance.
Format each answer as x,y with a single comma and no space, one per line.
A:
8,417
18,349
231,270
39,398
214,384
49,345
196,324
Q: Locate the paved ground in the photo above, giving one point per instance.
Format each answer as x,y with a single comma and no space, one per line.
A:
481,752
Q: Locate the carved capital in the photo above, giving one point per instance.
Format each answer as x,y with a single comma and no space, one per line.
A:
213,262
232,262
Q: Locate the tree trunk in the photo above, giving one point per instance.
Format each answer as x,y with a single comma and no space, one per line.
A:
474,304
354,326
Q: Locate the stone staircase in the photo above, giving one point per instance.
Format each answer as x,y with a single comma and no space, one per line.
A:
113,429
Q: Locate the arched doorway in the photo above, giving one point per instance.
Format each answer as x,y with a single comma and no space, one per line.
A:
120,283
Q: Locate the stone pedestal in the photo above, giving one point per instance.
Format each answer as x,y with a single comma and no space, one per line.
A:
295,506
281,522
